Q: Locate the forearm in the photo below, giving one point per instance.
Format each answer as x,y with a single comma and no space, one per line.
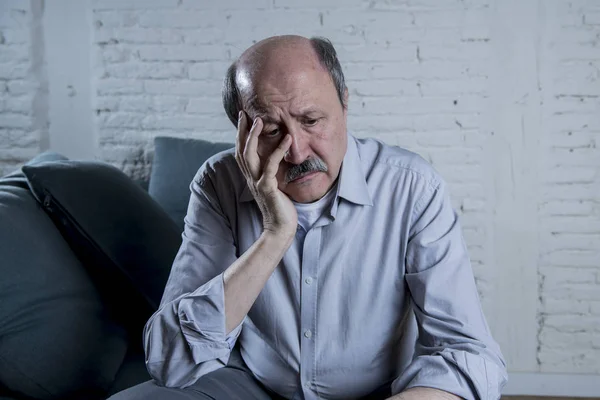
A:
424,393
246,277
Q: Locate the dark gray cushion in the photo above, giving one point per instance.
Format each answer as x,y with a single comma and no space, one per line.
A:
175,164
56,339
124,238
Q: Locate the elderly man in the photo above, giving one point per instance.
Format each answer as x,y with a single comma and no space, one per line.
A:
306,253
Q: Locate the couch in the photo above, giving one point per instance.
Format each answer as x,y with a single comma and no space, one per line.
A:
86,252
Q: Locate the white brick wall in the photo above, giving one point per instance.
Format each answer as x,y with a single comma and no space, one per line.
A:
420,75
569,210
23,130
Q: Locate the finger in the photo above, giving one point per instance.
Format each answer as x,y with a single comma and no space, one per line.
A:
240,141
272,165
250,152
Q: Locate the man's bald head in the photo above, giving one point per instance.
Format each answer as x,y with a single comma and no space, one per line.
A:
278,56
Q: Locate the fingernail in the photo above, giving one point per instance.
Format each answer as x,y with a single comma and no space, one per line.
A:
255,120
240,115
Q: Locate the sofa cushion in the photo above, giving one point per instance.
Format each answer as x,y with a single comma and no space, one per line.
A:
56,339
124,238
175,164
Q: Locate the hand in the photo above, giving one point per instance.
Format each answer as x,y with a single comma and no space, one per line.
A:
278,211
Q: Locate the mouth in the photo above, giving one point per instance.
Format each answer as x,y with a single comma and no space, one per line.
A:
305,177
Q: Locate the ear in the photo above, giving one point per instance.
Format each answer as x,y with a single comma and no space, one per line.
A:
345,104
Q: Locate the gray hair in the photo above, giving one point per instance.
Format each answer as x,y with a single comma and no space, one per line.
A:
232,99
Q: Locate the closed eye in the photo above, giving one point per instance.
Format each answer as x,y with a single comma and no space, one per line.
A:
311,121
272,134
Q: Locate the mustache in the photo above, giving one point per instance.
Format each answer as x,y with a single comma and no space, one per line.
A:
307,166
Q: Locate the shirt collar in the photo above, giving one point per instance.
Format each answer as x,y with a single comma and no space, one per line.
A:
352,183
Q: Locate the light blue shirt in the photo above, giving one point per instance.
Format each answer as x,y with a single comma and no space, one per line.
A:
335,319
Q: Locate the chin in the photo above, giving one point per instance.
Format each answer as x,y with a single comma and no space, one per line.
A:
307,193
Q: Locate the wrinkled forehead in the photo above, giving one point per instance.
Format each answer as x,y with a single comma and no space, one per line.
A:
295,88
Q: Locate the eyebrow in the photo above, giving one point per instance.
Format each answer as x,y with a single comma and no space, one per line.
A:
262,113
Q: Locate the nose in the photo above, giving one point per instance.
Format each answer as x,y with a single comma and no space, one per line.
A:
299,150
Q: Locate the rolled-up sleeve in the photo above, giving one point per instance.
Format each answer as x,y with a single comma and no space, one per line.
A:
455,351
186,338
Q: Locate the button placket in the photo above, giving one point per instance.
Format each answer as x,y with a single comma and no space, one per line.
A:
310,257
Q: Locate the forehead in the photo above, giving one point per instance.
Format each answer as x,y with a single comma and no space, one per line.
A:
293,89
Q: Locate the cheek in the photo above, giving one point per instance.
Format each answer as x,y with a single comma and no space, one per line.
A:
265,148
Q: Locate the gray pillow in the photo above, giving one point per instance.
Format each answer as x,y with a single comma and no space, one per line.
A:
175,164
56,339
125,240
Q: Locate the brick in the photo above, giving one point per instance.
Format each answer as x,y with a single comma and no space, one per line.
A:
115,19
179,18
406,70
387,87
446,121
579,258
564,307
572,175
13,70
440,138
360,53
570,140
119,86
14,18
183,87
562,192
454,87
18,104
187,122
557,276
182,53
14,5
573,207
573,323
137,35
19,155
226,4
152,104
575,157
450,156
13,53
9,120
461,51
15,36
570,241
204,36
259,24
133,4
591,18
208,70
114,54
567,340
205,105
121,120
595,307
155,70
380,124
376,34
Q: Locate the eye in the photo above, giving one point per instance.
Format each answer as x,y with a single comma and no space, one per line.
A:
311,121
272,134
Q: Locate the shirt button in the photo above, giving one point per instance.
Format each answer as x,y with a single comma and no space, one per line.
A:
308,280
307,334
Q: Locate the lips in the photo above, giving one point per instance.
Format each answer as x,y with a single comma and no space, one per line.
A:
305,175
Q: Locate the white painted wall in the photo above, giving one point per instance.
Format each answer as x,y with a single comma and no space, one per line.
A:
502,96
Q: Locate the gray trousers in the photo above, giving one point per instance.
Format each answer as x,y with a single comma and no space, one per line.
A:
233,382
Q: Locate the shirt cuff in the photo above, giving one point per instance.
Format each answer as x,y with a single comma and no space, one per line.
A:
461,373
202,321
